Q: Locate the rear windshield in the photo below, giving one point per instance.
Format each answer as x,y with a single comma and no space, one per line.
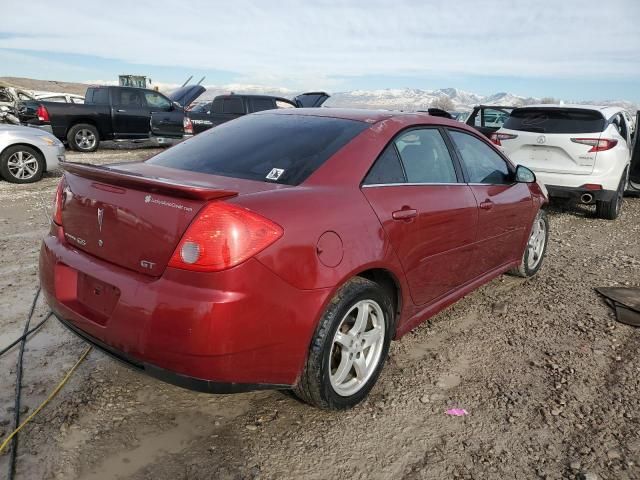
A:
267,147
555,120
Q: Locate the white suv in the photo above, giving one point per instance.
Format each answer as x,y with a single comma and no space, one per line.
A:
580,152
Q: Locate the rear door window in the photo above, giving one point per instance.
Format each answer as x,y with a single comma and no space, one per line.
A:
425,157
555,120
266,147
98,96
387,169
129,97
482,163
260,104
232,105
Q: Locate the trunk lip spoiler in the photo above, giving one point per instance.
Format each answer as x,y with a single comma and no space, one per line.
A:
149,184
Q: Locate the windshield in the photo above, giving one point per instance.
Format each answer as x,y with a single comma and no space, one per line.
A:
266,147
555,120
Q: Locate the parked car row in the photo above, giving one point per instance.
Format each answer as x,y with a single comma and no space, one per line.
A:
128,113
581,153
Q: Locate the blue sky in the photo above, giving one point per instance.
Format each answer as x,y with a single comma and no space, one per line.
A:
575,50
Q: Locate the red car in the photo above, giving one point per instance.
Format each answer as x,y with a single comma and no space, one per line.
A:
287,248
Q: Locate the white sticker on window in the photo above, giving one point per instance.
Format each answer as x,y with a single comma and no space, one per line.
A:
275,173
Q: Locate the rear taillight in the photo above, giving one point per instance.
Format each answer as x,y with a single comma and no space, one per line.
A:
596,144
187,126
42,113
222,236
498,137
57,204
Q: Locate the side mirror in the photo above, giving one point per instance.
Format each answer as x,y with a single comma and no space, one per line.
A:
524,175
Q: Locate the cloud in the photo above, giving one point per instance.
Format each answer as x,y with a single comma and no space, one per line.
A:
318,44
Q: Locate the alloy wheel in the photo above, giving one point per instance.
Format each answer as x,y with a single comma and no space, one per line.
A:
22,165
85,139
537,241
357,347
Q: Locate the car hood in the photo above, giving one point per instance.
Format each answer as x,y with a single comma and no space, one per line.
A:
187,94
19,131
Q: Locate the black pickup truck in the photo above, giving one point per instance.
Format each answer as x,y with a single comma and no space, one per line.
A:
108,113
177,123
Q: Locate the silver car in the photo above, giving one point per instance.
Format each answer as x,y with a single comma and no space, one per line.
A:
27,152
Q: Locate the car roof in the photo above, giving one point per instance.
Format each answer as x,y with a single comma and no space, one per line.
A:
606,110
368,116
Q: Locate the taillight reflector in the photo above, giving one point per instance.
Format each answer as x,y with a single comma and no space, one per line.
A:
497,138
597,144
187,126
57,204
222,236
42,113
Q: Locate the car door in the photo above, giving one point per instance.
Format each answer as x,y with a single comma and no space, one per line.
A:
634,169
427,211
488,120
504,206
130,113
165,118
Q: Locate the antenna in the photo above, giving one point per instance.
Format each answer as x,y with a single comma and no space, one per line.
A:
188,80
201,80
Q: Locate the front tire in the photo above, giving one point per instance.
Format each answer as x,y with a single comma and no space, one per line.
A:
349,347
611,210
21,164
536,247
83,137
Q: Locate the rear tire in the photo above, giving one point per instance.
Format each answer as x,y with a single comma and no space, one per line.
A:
343,343
536,247
21,164
83,137
610,210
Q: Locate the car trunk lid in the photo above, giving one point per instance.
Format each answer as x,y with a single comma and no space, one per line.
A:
134,215
186,95
553,153
543,139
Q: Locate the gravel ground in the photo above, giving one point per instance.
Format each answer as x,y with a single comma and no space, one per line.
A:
550,381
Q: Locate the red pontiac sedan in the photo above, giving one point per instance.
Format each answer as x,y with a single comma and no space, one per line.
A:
287,248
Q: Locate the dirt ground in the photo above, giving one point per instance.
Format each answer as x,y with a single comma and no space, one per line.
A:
550,381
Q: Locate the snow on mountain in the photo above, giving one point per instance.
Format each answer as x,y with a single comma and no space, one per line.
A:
411,99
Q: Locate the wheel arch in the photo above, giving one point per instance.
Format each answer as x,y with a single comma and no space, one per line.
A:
87,121
30,145
387,280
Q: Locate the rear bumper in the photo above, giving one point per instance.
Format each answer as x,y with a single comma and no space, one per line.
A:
578,194
609,179
236,330
184,381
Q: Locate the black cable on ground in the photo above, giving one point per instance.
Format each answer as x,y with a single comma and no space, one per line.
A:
17,340
16,416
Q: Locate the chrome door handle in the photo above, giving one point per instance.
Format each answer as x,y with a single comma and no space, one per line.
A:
404,214
121,111
486,205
